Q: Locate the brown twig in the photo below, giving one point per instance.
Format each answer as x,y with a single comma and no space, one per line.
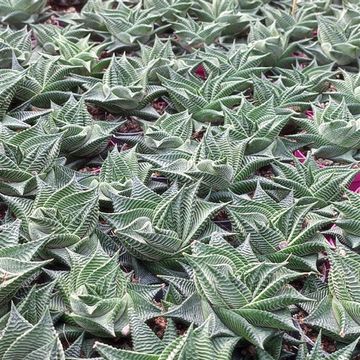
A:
294,7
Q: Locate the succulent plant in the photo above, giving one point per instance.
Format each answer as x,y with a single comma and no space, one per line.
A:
333,134
24,156
280,228
348,222
259,126
256,4
195,343
315,77
217,161
128,25
95,294
341,45
149,230
118,171
46,81
335,309
81,135
268,40
224,13
48,215
346,89
66,43
203,101
248,296
17,264
168,9
296,97
317,353
298,25
123,91
14,43
240,64
310,182
21,339
196,34
17,12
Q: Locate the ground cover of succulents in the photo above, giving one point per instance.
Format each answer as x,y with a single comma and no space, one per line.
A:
179,179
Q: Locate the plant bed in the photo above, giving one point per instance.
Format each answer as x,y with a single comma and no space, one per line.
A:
179,179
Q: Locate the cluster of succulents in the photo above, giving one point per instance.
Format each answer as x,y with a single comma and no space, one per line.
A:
179,179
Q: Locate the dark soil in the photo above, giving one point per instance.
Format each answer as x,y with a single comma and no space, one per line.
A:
308,330
158,325
265,172
160,105
99,114
248,352
221,216
66,5
181,328
289,129
130,126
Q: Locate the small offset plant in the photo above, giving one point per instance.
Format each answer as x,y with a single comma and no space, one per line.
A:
179,179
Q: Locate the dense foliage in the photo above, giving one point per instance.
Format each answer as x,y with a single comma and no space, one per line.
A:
179,179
